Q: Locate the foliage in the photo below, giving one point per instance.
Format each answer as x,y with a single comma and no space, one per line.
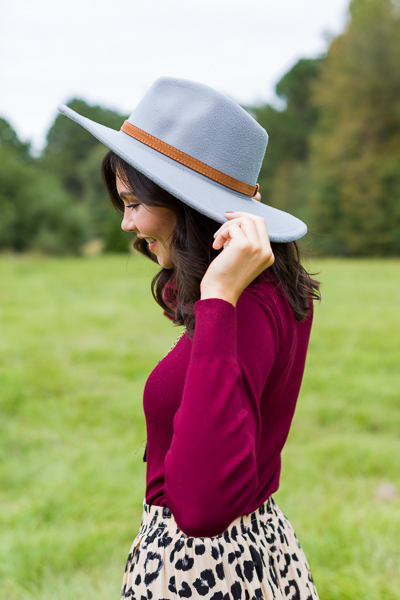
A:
355,197
69,145
56,203
9,142
74,156
334,150
36,212
332,159
79,339
281,176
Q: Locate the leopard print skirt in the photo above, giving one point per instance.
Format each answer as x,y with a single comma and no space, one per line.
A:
257,557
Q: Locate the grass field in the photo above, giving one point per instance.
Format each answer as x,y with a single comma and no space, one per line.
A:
78,339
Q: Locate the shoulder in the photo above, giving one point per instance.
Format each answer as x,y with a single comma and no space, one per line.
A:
260,323
265,301
263,295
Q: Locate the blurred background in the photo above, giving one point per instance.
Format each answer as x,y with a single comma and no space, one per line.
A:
80,332
323,80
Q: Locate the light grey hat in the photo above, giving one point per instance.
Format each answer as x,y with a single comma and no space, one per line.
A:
201,147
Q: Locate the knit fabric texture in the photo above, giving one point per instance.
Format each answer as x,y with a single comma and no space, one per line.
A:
219,408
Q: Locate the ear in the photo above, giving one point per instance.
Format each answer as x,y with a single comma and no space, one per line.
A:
257,197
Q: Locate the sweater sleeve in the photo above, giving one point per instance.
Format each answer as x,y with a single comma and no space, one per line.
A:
210,468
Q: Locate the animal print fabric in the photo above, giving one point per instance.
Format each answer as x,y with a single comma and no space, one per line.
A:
257,557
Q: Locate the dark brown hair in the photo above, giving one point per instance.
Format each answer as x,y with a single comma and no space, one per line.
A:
178,288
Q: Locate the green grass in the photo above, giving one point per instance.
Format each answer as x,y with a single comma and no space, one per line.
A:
78,340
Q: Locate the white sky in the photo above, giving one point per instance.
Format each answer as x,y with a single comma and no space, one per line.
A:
109,52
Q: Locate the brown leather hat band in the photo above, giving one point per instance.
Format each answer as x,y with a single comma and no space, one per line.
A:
189,161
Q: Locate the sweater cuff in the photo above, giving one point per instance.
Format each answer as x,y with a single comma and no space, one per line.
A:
215,334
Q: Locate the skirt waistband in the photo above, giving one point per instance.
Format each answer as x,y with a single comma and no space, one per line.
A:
153,516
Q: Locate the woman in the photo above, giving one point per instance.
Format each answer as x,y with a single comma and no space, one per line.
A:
219,406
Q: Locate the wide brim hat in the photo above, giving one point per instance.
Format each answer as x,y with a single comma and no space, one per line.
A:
201,147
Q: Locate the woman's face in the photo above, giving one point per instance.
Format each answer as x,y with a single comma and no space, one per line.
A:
153,223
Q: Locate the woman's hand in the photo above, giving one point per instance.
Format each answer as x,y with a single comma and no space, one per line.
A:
247,253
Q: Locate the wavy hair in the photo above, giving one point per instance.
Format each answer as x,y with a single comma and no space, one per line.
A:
178,288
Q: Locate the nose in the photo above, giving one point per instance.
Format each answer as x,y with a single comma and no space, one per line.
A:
128,222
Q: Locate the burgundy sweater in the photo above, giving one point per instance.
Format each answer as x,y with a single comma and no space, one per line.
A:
218,409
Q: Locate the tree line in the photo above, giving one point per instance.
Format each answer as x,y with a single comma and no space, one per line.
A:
333,157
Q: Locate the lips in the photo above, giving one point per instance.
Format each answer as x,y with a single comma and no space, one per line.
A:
151,241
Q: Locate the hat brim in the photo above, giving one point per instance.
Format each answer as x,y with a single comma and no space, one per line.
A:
203,194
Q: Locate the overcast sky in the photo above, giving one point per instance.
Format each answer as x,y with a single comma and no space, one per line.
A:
109,52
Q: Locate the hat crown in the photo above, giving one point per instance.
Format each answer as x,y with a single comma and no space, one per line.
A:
205,124
193,119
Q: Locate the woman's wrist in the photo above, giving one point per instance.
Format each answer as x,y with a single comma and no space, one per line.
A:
207,292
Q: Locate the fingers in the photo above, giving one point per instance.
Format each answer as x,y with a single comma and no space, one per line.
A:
238,218
260,239
246,221
223,236
253,230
